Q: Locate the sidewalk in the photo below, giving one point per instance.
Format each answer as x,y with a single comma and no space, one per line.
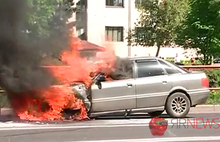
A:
7,112
205,109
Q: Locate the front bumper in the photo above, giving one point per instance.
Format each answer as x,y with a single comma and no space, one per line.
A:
79,89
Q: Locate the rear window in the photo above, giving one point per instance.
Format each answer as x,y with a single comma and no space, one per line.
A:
176,66
169,69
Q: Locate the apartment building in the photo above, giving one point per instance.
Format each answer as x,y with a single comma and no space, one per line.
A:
108,21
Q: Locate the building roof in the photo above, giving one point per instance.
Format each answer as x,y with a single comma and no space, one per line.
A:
85,45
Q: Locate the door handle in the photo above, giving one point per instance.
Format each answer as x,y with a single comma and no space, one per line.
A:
164,82
129,84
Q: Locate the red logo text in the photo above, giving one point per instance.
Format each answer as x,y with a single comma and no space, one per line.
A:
195,123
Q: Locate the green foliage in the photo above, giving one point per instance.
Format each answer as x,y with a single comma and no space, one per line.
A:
214,77
188,62
45,15
184,62
45,25
158,22
214,98
201,29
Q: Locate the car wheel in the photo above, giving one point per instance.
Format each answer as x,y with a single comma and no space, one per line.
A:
178,105
155,113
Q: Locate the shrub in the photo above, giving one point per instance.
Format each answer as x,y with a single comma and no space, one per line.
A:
214,98
214,77
170,60
184,62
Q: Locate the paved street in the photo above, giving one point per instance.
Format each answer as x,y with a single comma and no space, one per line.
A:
116,129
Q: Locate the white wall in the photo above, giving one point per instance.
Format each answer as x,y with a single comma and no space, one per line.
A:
100,16
96,26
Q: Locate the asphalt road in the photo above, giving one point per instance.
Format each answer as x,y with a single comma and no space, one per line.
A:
113,129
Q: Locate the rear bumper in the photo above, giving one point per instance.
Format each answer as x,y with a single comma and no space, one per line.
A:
199,97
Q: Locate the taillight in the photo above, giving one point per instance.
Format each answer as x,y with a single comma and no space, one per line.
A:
205,82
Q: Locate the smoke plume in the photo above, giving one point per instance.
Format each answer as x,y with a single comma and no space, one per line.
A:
20,60
123,69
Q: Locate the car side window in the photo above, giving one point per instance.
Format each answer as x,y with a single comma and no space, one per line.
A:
123,70
169,69
148,68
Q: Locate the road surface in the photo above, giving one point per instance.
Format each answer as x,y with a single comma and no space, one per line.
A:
113,129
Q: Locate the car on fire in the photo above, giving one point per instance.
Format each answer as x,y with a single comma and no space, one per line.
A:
155,86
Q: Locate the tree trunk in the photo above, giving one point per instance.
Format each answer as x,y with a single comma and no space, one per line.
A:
158,50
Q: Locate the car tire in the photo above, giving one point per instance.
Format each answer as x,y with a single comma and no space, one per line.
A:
177,105
155,113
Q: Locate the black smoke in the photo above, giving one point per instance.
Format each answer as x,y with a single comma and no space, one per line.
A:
20,58
123,69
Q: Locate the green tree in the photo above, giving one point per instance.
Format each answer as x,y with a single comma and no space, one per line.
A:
45,15
158,22
202,29
45,25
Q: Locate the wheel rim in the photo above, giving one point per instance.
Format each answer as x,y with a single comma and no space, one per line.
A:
179,105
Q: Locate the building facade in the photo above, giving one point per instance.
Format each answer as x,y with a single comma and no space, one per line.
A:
108,21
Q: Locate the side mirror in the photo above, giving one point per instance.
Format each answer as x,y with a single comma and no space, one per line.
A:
99,84
102,78
99,79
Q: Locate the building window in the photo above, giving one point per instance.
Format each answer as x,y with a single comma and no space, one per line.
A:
114,33
116,3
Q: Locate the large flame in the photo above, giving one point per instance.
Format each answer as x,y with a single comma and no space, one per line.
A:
51,101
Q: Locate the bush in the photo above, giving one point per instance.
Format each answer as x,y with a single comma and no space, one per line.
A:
184,62
214,98
214,77
170,60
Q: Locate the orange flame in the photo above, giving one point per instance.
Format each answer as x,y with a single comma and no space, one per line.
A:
53,100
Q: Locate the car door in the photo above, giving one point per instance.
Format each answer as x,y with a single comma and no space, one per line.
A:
152,83
114,95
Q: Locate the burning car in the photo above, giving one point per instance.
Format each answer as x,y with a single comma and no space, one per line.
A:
150,85
115,85
137,84
108,84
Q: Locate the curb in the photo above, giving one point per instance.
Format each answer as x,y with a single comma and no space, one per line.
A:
206,105
205,109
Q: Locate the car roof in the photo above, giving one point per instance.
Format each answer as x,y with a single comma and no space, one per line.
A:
141,57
